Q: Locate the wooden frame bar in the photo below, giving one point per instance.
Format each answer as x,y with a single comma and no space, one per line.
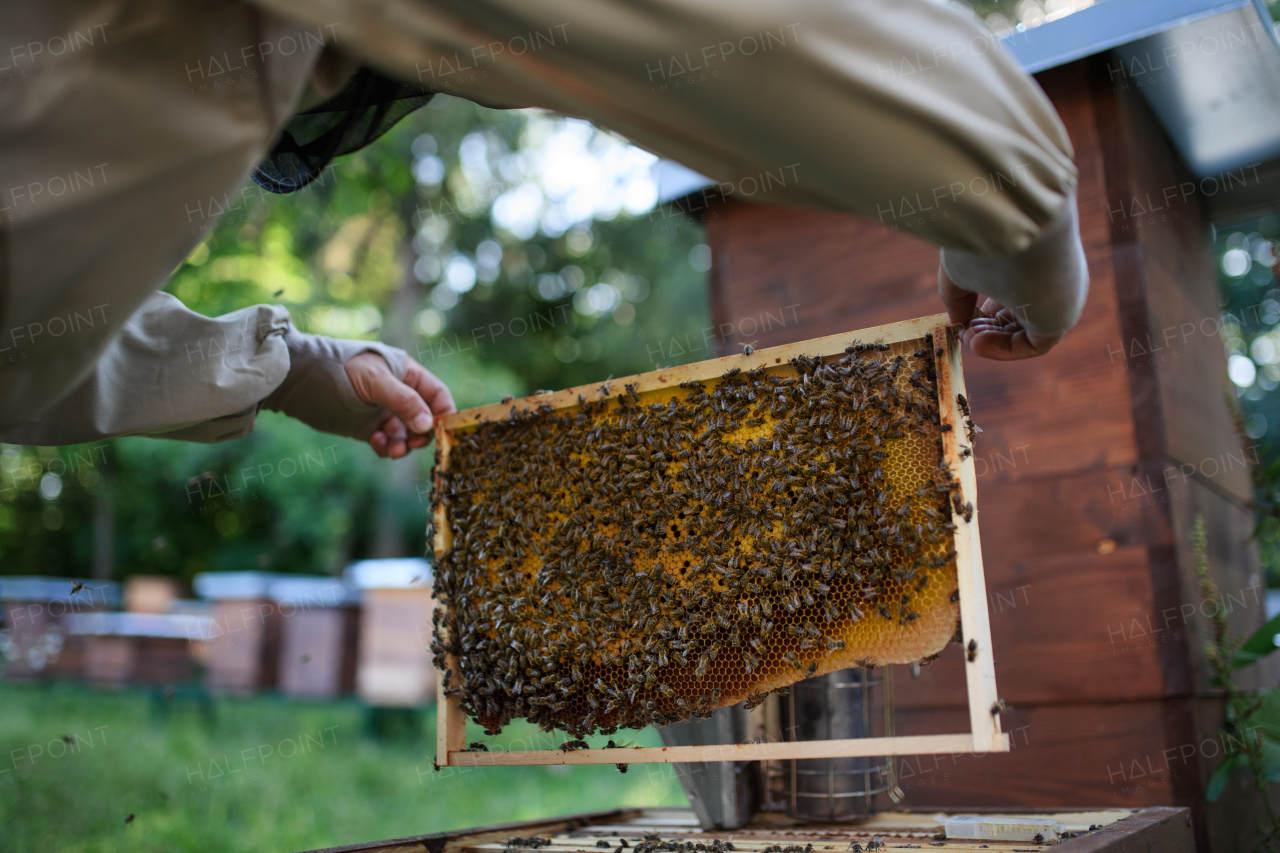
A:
975,623
984,719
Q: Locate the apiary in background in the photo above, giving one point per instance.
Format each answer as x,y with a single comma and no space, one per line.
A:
866,433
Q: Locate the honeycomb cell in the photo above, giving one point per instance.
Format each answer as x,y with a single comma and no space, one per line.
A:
640,558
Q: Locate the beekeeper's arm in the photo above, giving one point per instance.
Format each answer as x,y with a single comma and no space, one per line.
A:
905,111
170,369
117,156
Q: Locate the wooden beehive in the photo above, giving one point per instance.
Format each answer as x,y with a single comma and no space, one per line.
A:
123,649
823,407
395,669
117,661
33,610
244,636
150,593
1094,529
319,620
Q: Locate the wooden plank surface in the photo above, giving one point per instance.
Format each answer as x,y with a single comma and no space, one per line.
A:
1114,829
1112,753
1167,830
1165,276
439,842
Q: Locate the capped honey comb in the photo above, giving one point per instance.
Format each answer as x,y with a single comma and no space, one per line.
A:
639,558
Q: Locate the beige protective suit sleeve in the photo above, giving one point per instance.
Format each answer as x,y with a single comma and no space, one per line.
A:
122,127
122,120
178,361
905,111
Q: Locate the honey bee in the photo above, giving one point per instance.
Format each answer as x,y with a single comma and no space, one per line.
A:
671,514
972,651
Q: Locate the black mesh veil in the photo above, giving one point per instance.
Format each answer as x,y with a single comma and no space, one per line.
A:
362,110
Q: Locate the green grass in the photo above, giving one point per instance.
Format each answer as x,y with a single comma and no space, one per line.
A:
309,776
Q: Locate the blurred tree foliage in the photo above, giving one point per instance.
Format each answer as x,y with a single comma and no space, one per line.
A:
397,242
1246,255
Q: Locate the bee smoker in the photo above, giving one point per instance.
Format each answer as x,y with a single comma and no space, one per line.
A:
847,703
720,792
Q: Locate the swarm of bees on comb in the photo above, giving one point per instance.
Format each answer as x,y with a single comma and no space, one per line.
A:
641,558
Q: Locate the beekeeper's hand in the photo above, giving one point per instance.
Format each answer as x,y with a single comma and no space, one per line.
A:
410,405
990,329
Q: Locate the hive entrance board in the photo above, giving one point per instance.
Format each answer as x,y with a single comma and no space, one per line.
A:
658,546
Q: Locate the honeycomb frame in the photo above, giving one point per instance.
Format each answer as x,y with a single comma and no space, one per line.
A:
943,346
